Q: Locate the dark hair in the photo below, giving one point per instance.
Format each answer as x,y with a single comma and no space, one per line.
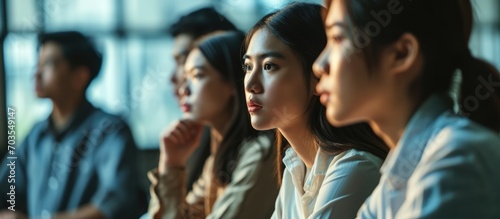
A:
300,27
77,49
222,52
442,29
201,22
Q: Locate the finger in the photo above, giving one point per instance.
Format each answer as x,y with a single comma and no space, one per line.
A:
194,128
184,129
178,136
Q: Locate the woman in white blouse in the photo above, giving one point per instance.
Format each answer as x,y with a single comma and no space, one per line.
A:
329,171
441,165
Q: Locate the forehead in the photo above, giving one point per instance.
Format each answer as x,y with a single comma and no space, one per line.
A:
336,13
195,59
50,49
183,43
263,40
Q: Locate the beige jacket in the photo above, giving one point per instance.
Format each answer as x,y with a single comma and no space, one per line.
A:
251,193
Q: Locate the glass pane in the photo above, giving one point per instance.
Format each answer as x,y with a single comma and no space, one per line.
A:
486,11
1,15
84,15
152,102
154,15
484,43
24,15
108,89
485,37
243,14
20,62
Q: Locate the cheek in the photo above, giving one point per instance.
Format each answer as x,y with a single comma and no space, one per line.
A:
286,99
209,98
54,81
349,84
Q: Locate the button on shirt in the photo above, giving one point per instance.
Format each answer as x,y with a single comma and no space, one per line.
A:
91,162
444,166
334,187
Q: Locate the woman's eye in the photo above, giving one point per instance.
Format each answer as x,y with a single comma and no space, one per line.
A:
198,75
268,66
247,68
338,39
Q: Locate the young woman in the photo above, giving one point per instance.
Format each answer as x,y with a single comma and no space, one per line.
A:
391,64
329,172
237,181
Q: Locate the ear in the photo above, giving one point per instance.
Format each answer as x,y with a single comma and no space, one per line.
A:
405,55
81,77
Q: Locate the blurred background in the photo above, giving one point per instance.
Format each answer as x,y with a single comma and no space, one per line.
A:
132,35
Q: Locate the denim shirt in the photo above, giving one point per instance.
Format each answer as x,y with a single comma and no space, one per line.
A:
444,166
92,161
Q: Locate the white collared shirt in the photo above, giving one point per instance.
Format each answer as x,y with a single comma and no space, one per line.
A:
444,166
335,187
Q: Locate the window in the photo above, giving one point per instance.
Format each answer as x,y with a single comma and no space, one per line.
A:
137,52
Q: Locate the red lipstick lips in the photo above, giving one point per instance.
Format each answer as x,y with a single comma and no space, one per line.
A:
186,108
253,106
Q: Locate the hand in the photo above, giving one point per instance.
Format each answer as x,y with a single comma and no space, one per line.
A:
7,214
178,142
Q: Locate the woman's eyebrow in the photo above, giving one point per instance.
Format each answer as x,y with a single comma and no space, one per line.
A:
336,24
196,67
265,55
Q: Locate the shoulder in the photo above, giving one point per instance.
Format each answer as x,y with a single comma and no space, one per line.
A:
102,120
459,149
254,155
458,136
260,146
36,131
355,161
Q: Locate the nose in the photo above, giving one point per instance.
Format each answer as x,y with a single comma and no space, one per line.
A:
184,89
322,66
253,82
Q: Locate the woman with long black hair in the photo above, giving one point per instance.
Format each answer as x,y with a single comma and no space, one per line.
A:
391,63
237,179
329,171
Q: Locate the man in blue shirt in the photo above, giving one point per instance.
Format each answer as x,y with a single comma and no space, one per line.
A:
80,162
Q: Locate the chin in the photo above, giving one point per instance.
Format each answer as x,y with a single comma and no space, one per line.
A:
340,119
41,95
259,124
335,118
190,116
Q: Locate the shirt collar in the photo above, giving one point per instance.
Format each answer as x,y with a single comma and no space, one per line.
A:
297,168
82,113
402,160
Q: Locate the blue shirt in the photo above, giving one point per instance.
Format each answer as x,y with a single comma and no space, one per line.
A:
444,166
93,161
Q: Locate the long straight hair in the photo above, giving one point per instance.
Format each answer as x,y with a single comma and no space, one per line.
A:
300,27
443,28
222,52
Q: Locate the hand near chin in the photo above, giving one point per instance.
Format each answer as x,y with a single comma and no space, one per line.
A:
178,142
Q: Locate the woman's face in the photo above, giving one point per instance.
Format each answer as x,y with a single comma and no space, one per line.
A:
347,88
205,94
275,86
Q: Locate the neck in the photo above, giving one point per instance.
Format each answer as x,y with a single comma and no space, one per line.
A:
63,110
301,139
219,125
391,125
